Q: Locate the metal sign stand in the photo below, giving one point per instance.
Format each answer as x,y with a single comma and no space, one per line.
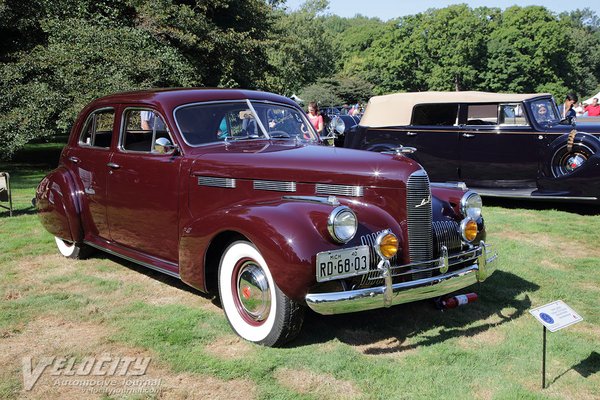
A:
544,362
553,316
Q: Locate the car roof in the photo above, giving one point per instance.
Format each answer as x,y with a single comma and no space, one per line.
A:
396,109
173,97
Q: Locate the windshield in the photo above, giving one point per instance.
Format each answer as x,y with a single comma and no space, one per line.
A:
545,112
241,120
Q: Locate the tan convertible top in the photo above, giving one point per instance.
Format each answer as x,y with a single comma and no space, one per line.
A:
396,109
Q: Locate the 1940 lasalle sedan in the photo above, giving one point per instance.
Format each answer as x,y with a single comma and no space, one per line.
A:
231,191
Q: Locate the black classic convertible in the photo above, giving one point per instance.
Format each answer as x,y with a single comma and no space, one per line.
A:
505,145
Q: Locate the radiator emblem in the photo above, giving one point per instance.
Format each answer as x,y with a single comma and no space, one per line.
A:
424,202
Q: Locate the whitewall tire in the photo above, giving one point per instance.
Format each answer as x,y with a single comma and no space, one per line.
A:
72,249
255,307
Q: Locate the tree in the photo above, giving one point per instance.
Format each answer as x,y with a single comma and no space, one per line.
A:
67,52
301,50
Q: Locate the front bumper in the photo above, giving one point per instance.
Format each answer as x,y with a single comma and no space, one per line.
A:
405,292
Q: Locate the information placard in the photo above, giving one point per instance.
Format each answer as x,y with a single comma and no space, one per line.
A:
555,315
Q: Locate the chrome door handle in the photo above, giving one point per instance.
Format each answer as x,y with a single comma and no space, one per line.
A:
411,133
113,165
468,135
74,159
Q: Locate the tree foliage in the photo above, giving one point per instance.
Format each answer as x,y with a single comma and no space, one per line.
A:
56,55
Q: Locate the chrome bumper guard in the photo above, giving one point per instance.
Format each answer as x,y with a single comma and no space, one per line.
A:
405,292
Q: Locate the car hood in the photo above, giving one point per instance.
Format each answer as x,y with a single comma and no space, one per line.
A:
300,163
588,127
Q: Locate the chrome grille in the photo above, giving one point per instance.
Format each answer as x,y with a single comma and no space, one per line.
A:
339,190
216,182
447,234
418,209
277,186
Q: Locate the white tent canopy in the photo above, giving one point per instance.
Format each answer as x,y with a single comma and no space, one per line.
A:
589,101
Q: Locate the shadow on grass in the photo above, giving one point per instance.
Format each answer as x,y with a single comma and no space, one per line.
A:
570,207
159,276
404,327
585,368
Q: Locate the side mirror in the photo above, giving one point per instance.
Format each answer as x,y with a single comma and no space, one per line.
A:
164,146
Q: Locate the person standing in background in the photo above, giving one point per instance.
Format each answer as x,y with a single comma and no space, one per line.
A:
568,110
315,118
593,110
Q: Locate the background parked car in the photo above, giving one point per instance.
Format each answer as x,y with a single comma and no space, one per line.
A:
507,145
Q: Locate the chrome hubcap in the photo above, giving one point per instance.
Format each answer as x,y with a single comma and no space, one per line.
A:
574,162
253,291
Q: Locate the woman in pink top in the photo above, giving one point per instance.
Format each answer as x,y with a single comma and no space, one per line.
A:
315,118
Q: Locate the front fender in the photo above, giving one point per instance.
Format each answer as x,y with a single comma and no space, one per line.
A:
58,206
288,234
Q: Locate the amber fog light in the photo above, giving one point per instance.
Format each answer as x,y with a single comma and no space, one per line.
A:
468,229
386,245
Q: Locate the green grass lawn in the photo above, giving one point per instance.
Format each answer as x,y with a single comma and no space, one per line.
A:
50,306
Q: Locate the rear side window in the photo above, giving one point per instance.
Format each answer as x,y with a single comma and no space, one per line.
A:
142,128
98,129
512,114
435,114
482,114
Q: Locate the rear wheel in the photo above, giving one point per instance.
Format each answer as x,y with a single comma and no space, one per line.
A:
71,249
255,307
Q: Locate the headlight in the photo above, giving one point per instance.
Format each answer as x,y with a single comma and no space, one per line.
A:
342,224
386,245
470,205
340,126
468,229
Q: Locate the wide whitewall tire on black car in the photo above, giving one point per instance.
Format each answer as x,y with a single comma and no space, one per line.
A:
255,307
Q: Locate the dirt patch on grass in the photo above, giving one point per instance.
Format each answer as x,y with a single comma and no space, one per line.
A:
53,336
554,265
566,247
322,386
229,348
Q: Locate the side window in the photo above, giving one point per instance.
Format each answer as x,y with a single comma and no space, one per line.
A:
141,129
435,114
512,114
98,129
482,114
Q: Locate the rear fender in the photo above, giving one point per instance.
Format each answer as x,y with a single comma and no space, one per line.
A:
58,205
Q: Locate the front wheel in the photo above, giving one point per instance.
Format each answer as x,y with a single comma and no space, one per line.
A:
72,249
253,304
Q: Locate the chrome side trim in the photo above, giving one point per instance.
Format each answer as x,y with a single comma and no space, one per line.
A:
212,181
133,260
277,186
339,190
330,200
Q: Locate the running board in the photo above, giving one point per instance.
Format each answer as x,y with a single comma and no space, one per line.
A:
527,194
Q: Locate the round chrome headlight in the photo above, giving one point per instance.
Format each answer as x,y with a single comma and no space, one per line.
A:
342,224
470,205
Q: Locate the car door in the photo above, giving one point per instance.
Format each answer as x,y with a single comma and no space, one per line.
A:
143,187
434,133
498,147
88,159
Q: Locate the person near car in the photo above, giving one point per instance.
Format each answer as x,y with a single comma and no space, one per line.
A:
568,107
593,110
147,121
315,118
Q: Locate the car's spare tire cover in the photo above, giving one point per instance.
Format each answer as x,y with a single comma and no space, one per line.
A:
569,152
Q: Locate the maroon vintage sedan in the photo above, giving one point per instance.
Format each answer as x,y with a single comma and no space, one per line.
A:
232,192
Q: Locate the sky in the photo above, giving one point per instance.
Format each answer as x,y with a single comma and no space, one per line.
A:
388,9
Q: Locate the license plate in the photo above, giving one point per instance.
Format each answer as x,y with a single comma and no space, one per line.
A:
343,263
